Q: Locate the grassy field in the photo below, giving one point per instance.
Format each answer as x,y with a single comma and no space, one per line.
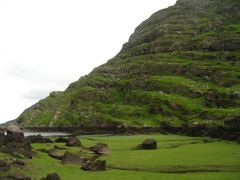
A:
177,157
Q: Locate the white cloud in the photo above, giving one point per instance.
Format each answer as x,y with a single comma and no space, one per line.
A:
45,45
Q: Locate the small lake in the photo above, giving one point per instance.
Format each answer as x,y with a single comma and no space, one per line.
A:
46,134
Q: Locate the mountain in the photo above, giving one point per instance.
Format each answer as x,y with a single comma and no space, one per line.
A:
181,67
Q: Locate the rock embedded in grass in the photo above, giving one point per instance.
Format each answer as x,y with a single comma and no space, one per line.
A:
100,148
56,155
148,144
69,158
73,142
38,139
96,165
52,176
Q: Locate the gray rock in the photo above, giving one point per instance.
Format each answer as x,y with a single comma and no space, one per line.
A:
97,165
148,144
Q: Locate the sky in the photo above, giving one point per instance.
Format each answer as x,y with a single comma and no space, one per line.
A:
47,44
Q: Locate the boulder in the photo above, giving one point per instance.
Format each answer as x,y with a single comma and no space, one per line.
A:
100,148
13,129
14,133
18,148
52,176
148,144
14,136
96,165
36,139
17,176
39,139
61,140
55,154
69,158
4,166
73,142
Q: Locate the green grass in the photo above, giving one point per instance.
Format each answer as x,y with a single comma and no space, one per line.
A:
177,157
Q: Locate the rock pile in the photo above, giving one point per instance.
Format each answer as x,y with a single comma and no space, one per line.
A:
15,144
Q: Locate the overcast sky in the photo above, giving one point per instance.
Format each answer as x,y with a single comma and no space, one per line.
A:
47,44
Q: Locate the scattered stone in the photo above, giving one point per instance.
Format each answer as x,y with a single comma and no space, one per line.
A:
73,142
69,158
55,154
97,165
100,148
17,176
61,140
4,166
148,144
38,139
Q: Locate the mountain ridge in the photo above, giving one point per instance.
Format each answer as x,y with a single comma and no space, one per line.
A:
180,67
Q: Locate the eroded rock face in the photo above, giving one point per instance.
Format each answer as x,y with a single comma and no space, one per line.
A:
69,158
73,142
97,165
148,144
100,148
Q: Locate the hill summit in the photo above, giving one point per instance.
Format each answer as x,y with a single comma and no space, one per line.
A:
180,68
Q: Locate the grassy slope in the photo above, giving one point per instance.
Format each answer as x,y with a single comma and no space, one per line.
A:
189,48
175,155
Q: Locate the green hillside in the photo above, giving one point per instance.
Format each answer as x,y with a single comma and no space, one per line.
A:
180,67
